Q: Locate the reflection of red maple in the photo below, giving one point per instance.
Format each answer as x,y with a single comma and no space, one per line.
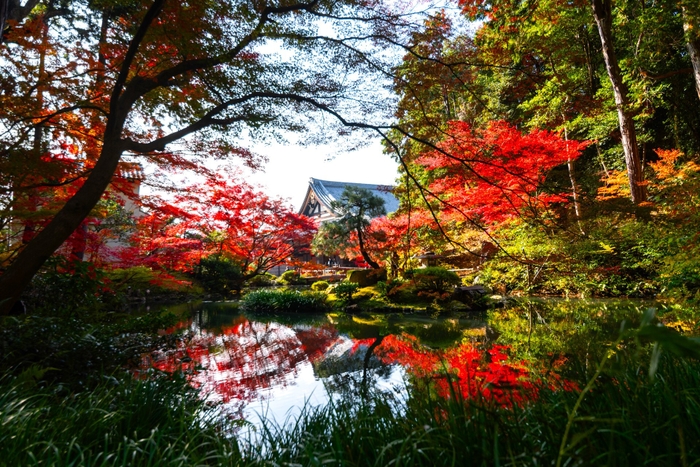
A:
474,373
245,358
316,340
361,343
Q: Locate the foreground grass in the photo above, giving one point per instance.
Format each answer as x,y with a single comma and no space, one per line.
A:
160,422
627,419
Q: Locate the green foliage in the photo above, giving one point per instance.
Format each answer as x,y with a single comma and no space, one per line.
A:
365,293
137,280
331,239
218,274
320,286
345,290
160,421
67,288
617,257
349,232
434,281
291,277
365,277
385,288
137,277
262,280
77,351
284,301
400,291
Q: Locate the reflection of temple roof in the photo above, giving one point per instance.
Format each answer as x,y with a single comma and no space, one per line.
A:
321,194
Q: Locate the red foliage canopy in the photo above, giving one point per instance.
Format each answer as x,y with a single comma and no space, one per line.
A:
221,216
497,173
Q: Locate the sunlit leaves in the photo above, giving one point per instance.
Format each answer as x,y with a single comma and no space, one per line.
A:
495,174
220,217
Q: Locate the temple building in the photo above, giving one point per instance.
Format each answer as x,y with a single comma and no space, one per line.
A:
321,193
318,205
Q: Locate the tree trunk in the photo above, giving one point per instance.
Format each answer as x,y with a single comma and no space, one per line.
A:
364,253
602,12
16,278
19,274
692,36
574,189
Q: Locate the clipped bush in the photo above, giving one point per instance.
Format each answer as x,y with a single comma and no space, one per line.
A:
291,277
284,301
366,277
434,281
320,286
262,280
365,293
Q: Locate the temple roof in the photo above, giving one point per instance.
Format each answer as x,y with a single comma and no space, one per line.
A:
131,171
326,191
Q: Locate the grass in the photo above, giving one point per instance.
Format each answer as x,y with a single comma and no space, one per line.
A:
626,419
629,421
159,422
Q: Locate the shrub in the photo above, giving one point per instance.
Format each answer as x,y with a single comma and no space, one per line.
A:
285,301
320,286
291,277
64,288
262,280
345,290
139,281
434,281
218,274
366,277
388,288
367,294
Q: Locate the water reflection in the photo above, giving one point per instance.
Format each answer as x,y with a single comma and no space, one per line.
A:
576,332
245,361
271,364
268,365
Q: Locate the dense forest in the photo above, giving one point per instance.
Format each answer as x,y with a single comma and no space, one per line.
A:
566,135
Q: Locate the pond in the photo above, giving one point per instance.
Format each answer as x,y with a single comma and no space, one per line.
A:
272,366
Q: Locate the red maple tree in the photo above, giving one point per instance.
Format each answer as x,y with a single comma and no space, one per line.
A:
497,173
224,217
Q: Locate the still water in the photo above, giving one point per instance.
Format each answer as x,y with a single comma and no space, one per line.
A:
272,366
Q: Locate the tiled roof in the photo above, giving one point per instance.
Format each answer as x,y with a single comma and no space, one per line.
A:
130,171
328,191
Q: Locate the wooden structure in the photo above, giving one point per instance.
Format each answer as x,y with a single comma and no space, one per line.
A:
321,193
318,202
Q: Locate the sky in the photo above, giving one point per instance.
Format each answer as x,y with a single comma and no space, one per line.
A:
287,172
